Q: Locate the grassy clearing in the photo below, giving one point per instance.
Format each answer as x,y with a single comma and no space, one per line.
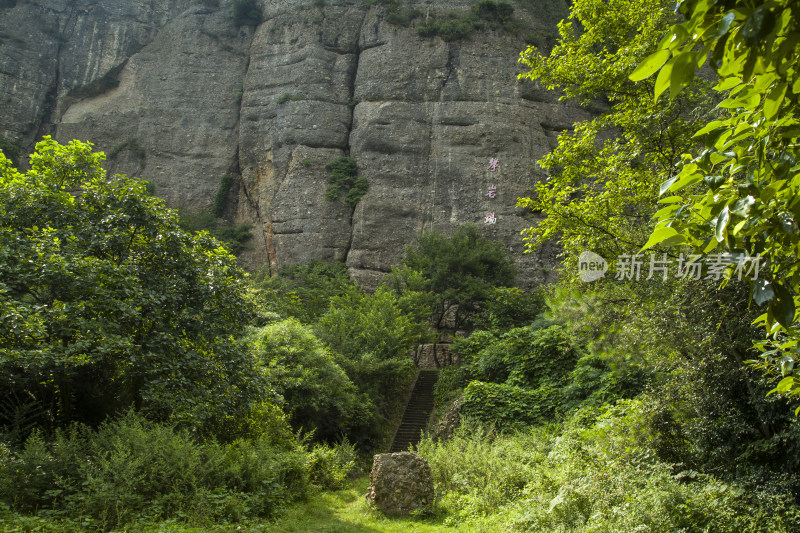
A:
346,511
343,511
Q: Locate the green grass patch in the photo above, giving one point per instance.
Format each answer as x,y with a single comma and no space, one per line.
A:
341,511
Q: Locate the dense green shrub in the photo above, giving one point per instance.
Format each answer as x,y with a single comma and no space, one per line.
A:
452,28
459,272
494,13
318,394
246,13
684,344
302,291
510,407
330,466
221,197
455,26
596,476
509,307
533,359
357,324
595,381
343,178
107,302
477,472
372,335
130,468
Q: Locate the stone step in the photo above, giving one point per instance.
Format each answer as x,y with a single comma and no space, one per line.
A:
417,412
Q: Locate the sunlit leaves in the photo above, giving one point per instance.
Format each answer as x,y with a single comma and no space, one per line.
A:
604,176
748,200
650,65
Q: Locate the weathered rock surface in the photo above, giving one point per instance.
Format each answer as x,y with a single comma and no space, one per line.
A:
400,483
434,356
446,426
176,94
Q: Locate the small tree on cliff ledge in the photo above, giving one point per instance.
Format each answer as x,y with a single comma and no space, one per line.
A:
458,273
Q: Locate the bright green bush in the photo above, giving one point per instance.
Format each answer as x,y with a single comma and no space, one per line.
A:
595,476
371,336
478,471
510,407
357,324
330,466
318,394
459,272
509,307
107,302
130,468
521,374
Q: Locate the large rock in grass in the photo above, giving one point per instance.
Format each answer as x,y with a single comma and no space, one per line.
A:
400,483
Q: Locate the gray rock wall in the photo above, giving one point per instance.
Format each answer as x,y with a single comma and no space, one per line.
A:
177,95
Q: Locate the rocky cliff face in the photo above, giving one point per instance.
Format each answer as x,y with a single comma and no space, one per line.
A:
176,94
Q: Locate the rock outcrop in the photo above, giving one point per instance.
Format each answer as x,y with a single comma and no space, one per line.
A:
400,483
178,95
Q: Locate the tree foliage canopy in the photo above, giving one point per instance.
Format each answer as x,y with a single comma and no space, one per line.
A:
317,393
458,272
105,300
740,193
602,178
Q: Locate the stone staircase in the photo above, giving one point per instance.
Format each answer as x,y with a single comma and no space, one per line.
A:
418,411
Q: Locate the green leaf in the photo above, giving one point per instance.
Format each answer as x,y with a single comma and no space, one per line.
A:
784,386
666,186
727,84
671,200
782,306
682,72
746,101
663,79
724,25
660,235
762,291
685,180
650,65
774,99
742,206
722,222
711,126
665,212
